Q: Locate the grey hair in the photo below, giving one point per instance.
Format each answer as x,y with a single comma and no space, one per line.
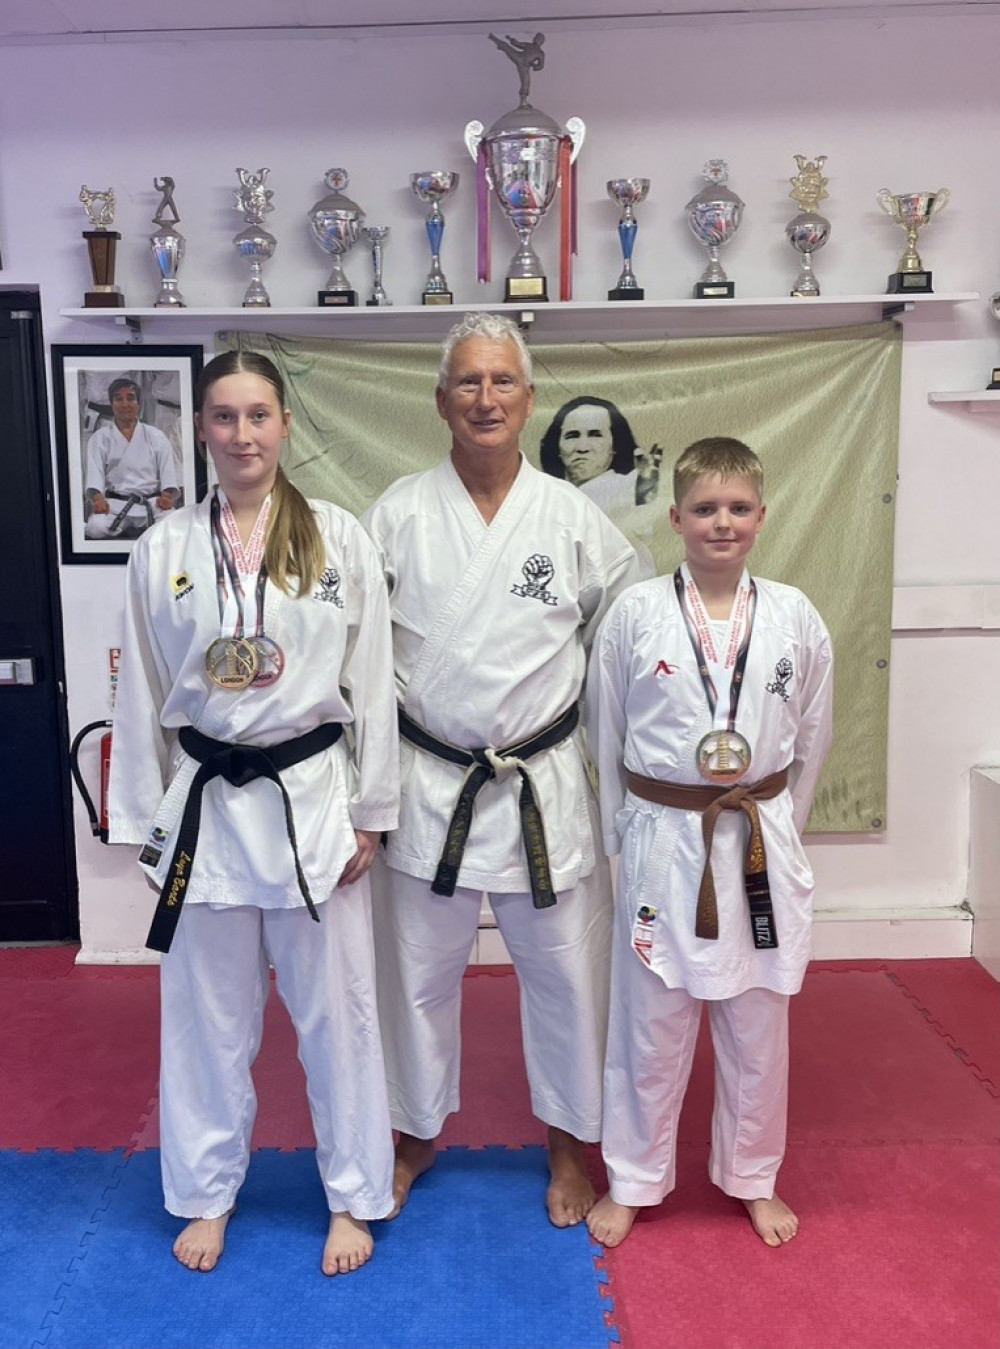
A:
494,327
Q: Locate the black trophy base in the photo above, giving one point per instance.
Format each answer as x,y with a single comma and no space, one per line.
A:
110,298
337,299
909,283
636,293
994,379
518,289
437,297
714,290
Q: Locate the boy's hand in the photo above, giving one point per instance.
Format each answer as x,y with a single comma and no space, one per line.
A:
368,841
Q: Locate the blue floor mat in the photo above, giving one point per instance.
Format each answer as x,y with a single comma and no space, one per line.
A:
471,1263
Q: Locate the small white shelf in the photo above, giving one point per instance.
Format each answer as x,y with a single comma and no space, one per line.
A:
973,400
635,319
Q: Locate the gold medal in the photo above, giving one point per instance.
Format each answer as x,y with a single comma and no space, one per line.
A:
723,757
232,663
270,660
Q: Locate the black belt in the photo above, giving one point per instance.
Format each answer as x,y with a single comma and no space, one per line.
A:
131,500
238,764
482,765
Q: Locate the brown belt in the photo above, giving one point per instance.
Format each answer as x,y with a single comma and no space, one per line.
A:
711,801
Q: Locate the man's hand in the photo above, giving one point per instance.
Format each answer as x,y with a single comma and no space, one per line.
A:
165,501
99,505
368,841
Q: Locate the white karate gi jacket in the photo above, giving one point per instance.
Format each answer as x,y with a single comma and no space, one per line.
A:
647,711
144,464
338,668
487,655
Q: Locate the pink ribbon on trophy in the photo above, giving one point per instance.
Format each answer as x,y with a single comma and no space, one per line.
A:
482,217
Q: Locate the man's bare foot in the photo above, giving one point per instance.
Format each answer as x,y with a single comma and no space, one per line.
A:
349,1244
570,1195
414,1156
609,1222
201,1242
773,1221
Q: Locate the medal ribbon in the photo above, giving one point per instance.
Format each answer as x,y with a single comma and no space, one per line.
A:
702,644
226,563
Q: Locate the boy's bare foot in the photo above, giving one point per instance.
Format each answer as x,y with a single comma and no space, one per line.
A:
414,1156
570,1195
609,1222
348,1246
773,1221
201,1243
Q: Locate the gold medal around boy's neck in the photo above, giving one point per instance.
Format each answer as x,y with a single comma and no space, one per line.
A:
723,757
232,663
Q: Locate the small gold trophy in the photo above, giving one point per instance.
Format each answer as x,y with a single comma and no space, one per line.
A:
101,242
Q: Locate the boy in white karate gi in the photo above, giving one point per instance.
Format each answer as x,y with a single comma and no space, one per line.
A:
709,703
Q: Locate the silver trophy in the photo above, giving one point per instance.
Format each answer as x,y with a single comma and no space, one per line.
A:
912,210
255,243
524,157
336,222
432,186
168,246
101,244
808,231
628,193
376,236
714,215
994,383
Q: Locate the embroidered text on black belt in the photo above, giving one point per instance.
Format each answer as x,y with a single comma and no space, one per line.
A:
484,764
238,764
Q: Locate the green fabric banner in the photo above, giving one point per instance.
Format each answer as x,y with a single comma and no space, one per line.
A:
821,409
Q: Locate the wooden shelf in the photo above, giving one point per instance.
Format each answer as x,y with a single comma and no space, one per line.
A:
628,319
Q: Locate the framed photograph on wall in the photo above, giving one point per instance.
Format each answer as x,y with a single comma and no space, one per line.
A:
125,443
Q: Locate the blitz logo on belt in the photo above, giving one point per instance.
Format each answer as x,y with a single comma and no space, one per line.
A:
538,571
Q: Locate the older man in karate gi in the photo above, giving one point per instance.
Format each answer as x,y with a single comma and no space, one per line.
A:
498,576
131,476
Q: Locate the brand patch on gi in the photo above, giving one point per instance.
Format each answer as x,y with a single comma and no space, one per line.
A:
181,585
782,674
537,571
153,847
329,587
642,932
662,668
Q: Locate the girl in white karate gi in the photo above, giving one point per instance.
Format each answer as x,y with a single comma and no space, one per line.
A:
258,619
707,687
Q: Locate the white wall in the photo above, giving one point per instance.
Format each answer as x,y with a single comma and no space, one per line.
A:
905,103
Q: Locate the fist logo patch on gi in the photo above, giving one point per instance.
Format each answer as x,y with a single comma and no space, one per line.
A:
642,932
538,571
181,585
782,674
329,588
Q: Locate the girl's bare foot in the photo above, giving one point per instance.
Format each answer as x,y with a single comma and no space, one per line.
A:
609,1222
773,1221
202,1241
570,1195
348,1246
414,1156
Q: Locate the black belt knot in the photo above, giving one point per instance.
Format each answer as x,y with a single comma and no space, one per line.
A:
483,763
238,765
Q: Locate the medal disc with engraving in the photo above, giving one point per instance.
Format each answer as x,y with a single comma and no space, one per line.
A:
231,663
723,756
270,660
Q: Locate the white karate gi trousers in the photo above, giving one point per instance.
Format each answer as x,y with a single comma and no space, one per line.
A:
651,1043
214,983
562,957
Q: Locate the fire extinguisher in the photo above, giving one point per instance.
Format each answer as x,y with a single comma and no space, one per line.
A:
98,824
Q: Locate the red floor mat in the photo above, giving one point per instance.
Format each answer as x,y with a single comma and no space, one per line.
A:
897,1250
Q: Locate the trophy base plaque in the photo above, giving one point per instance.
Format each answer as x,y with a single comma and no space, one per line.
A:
714,290
909,283
437,297
804,294
337,299
533,288
105,297
994,379
622,293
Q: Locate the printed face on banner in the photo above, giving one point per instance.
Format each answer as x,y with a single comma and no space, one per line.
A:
586,446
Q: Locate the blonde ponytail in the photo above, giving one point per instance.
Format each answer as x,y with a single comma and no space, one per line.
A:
294,544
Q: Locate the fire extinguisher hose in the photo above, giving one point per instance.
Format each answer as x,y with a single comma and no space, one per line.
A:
74,768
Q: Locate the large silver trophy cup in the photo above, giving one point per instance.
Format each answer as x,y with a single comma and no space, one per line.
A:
714,215
336,223
808,231
524,157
